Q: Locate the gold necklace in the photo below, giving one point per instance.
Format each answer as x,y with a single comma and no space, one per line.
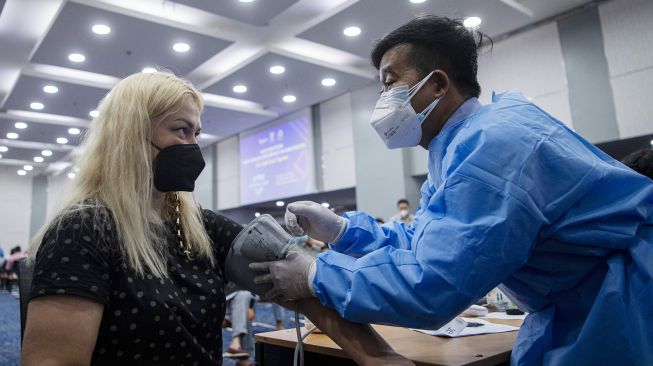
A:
184,248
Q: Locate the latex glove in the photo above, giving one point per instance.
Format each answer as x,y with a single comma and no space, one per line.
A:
291,277
314,220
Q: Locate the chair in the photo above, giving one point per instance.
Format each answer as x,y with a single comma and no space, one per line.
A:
24,288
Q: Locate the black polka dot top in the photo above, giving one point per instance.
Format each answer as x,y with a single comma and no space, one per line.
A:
146,320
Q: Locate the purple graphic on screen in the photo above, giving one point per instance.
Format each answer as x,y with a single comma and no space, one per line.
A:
276,162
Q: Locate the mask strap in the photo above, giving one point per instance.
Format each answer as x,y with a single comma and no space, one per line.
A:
416,88
156,147
425,113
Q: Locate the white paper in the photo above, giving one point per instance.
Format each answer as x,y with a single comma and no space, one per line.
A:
486,328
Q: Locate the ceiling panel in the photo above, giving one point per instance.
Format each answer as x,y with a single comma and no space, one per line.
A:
19,153
378,17
39,132
131,45
71,99
224,123
255,13
301,79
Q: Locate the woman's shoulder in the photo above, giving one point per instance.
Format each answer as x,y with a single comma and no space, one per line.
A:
221,229
212,218
86,218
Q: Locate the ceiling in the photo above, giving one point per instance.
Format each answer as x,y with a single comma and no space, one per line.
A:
231,43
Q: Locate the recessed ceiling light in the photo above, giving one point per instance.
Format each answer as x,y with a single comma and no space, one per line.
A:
0,156
101,29
71,175
246,1
325,204
277,69
62,140
74,131
20,125
12,135
472,22
46,153
328,82
76,57
148,70
351,31
50,89
36,105
38,159
289,98
417,1
94,113
3,149
239,88
181,47
280,203
28,167
22,172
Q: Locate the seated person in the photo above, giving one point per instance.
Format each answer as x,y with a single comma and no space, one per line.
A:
278,312
131,269
640,161
238,314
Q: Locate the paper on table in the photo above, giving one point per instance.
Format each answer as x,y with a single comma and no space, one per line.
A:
486,328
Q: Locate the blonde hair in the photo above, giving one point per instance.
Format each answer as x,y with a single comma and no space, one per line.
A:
115,171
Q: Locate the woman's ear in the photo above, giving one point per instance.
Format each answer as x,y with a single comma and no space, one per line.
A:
441,83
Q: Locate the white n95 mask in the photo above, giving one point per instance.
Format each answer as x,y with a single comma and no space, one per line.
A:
394,118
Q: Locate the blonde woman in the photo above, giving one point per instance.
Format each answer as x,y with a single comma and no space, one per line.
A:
131,269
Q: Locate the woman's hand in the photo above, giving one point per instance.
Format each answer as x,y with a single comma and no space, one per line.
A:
361,342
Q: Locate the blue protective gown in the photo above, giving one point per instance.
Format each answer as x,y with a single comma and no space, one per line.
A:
513,197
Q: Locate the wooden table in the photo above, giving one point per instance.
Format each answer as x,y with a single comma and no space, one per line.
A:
276,348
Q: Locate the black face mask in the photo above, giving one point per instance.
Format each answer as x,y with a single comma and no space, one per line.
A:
176,167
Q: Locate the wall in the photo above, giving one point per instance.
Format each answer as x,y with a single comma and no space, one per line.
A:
532,63
628,41
590,94
16,199
337,144
39,207
57,185
227,173
204,193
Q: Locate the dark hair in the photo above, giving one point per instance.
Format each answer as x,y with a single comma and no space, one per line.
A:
641,161
403,200
438,43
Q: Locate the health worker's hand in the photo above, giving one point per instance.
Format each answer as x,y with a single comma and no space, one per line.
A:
314,220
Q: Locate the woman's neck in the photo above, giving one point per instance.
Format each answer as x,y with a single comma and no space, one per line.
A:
159,203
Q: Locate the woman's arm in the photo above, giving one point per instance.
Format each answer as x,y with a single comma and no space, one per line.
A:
60,330
360,341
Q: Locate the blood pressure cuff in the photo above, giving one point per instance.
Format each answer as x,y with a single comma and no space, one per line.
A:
262,240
